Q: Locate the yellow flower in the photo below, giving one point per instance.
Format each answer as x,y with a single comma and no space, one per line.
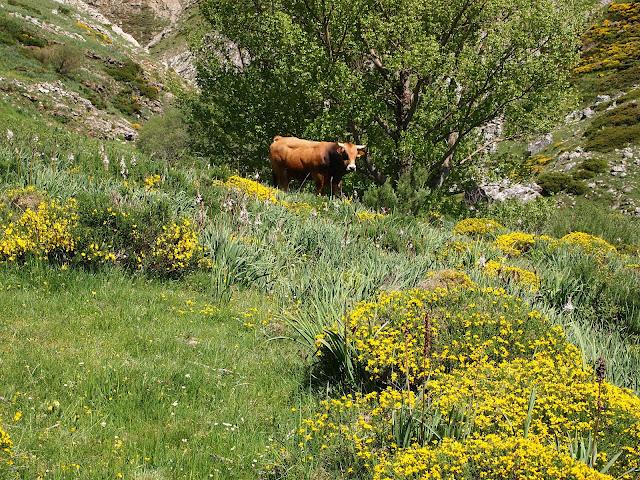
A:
476,227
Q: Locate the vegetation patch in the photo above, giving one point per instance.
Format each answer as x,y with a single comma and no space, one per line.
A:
615,128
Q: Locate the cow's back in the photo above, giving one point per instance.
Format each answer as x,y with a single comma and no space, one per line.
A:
299,154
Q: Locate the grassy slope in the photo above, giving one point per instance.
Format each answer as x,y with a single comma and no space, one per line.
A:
119,374
136,347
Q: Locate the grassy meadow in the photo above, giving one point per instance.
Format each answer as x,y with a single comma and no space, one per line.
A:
164,318
153,348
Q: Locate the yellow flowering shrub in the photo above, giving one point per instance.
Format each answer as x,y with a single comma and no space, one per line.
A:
515,243
518,275
476,227
44,228
152,181
403,335
92,32
252,189
177,248
6,445
589,243
614,43
367,216
447,279
492,457
486,388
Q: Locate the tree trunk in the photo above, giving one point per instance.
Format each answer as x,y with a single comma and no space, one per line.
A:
404,100
444,169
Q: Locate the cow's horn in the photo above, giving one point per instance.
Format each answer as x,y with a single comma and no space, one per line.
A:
340,144
361,147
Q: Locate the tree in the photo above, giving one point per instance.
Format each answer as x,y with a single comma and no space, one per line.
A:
414,79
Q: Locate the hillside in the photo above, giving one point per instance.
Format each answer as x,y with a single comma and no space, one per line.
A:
165,318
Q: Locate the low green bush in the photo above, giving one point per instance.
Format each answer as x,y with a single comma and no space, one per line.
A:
615,129
14,32
595,165
64,59
553,182
165,136
582,174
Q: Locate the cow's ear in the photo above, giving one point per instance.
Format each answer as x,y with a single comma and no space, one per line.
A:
361,153
340,149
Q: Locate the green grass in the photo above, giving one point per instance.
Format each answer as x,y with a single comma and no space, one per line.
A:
124,375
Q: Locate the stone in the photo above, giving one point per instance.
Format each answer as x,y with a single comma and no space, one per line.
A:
627,189
602,99
627,153
537,146
619,170
502,191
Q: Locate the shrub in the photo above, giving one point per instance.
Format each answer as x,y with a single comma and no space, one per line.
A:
581,174
45,229
64,59
165,136
510,273
553,182
516,243
615,128
577,187
176,249
595,165
476,227
380,197
609,138
588,243
556,182
13,31
127,102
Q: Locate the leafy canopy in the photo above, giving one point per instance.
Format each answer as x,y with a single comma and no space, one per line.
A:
414,79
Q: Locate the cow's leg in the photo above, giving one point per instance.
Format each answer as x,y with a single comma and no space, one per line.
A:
282,178
320,182
336,187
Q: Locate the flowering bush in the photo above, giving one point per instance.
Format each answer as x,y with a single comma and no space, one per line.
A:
403,335
45,228
366,216
152,181
487,388
515,243
6,445
176,249
588,243
476,227
518,275
252,189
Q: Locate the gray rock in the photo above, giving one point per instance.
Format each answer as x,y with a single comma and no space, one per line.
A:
537,146
627,153
619,170
602,99
627,189
502,191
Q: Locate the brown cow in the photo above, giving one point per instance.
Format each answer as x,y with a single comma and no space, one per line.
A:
324,162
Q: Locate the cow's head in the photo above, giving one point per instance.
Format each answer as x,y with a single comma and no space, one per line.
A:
350,152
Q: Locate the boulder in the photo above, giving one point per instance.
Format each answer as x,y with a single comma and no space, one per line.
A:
502,191
537,146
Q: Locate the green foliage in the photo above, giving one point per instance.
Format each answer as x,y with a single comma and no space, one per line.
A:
26,7
14,32
132,74
553,182
380,197
413,83
165,136
595,165
615,128
64,59
127,102
582,174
